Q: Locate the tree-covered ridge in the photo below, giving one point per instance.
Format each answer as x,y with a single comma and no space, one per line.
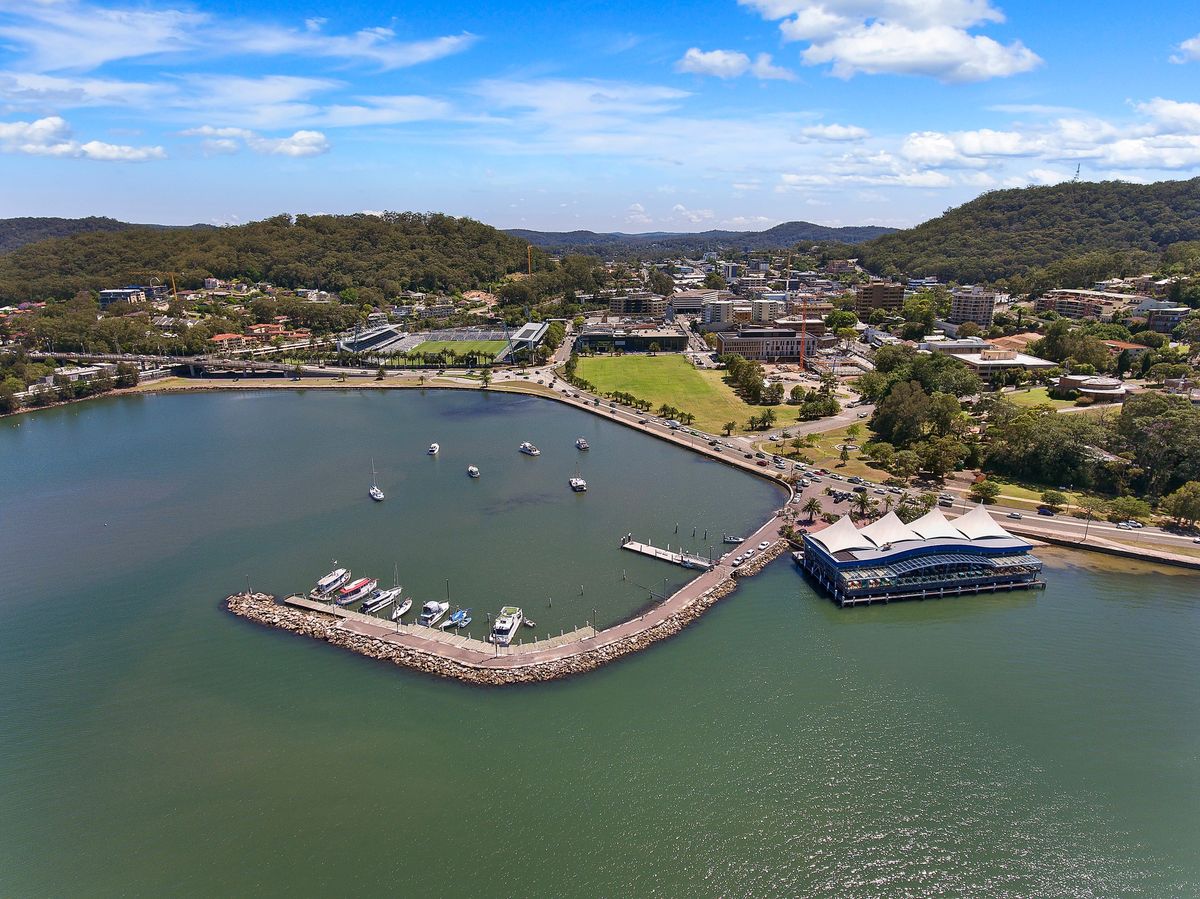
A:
17,232
1038,237
387,253
669,243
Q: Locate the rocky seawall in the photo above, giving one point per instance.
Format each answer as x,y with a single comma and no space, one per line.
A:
561,662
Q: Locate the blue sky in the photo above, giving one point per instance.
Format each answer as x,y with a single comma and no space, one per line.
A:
609,116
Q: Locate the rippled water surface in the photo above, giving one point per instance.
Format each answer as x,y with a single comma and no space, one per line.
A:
1038,744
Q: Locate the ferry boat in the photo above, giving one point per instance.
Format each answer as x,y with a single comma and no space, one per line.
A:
578,484
459,618
330,582
402,608
356,590
376,493
530,450
380,600
472,471
581,444
506,625
432,612
434,449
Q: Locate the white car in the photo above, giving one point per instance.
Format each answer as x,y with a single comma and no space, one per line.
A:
837,477
1014,515
763,545
862,414
1123,526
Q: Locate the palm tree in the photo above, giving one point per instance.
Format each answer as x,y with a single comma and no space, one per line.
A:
861,504
811,507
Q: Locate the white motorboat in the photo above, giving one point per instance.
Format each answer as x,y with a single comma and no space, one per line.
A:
472,471
432,612
581,444
380,600
402,608
375,492
356,590
530,450
506,625
330,582
578,484
434,449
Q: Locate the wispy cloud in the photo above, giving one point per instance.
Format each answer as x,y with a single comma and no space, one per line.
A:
229,140
731,64
1188,51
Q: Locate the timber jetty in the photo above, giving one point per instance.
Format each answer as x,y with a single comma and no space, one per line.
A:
472,661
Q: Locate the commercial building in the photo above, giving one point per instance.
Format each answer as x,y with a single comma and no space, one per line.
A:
931,557
640,304
1091,304
765,311
122,295
878,295
692,302
985,359
972,304
607,338
729,270
1100,389
767,344
718,312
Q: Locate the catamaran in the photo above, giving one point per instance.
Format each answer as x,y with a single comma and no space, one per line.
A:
356,590
505,626
578,484
472,471
530,450
434,449
581,444
376,493
329,583
432,612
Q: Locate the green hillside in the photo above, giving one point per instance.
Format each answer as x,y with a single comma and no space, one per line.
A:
1046,236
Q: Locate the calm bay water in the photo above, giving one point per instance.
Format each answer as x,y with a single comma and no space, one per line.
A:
1044,744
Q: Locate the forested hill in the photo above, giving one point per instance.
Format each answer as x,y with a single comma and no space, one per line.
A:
387,253
618,245
17,232
1046,236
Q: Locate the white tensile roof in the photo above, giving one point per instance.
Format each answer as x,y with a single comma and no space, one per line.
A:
974,525
934,524
978,524
889,529
841,535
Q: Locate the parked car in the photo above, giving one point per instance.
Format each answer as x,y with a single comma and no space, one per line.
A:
859,488
837,477
860,414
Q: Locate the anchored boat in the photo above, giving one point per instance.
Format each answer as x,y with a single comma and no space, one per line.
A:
376,493
432,612
472,471
578,484
505,626
530,450
329,583
356,590
434,449
581,444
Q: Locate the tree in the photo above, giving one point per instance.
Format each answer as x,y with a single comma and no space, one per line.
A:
984,491
729,427
844,453
1054,499
713,281
861,503
1125,508
1183,505
811,507
905,464
379,375
900,416
485,378
654,347
941,455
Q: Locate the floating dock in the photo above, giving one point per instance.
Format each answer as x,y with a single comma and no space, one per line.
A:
675,557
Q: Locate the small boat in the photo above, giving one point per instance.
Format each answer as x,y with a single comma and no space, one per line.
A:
380,600
432,612
578,484
472,471
434,449
376,493
356,590
329,583
729,538
505,626
402,608
581,444
530,450
457,619
466,622
529,622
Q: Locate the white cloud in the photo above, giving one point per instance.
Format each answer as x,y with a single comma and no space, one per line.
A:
1172,115
51,136
731,64
1188,51
636,215
1047,176
73,35
834,133
693,216
35,90
228,140
749,222
909,37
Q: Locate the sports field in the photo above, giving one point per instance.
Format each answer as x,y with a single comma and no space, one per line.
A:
674,381
482,347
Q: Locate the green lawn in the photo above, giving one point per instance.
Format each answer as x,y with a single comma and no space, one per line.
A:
1036,396
482,347
674,381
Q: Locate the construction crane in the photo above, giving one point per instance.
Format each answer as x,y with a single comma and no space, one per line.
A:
159,276
1075,179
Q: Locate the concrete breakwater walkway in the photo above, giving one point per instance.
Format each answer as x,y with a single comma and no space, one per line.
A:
476,662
